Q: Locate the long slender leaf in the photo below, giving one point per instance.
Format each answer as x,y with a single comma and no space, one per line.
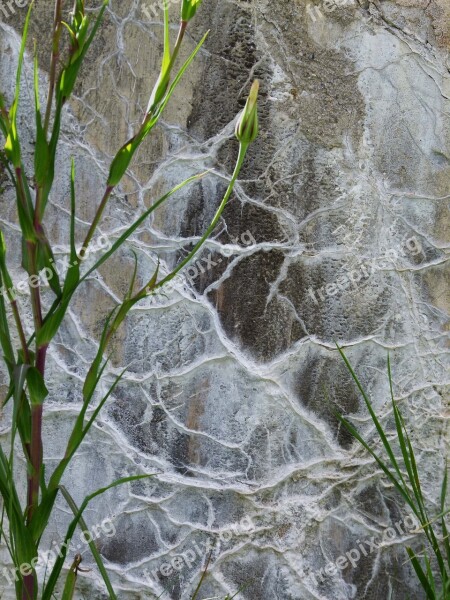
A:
58,310
429,573
415,501
79,433
12,146
353,431
406,449
374,417
124,156
152,121
130,230
95,553
69,587
45,508
73,272
41,151
200,583
444,511
421,575
5,336
50,586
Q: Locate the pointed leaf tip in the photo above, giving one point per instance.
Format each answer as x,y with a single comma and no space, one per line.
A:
247,127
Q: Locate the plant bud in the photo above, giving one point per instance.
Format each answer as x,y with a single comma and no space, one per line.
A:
189,8
247,127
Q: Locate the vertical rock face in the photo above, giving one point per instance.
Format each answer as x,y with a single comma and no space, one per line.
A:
338,231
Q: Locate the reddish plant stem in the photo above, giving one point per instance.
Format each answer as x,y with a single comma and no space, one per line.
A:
28,587
57,27
181,32
34,291
36,449
35,456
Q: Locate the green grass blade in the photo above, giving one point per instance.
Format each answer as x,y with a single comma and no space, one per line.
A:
45,508
4,117
374,417
400,436
5,335
19,376
92,546
166,52
413,476
69,587
407,451
429,531
41,151
241,589
429,573
22,546
444,511
421,575
12,145
54,576
202,578
353,431
79,433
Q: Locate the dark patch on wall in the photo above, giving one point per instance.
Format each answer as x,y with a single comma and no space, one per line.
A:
207,272
394,579
249,318
259,576
232,54
315,380
156,435
200,210
262,224
326,97
287,167
152,436
346,314
141,531
371,502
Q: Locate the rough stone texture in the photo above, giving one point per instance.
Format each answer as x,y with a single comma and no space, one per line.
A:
224,397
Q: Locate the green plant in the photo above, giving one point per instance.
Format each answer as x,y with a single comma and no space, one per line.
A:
22,524
403,473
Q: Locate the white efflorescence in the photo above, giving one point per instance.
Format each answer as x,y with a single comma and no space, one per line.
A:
338,231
